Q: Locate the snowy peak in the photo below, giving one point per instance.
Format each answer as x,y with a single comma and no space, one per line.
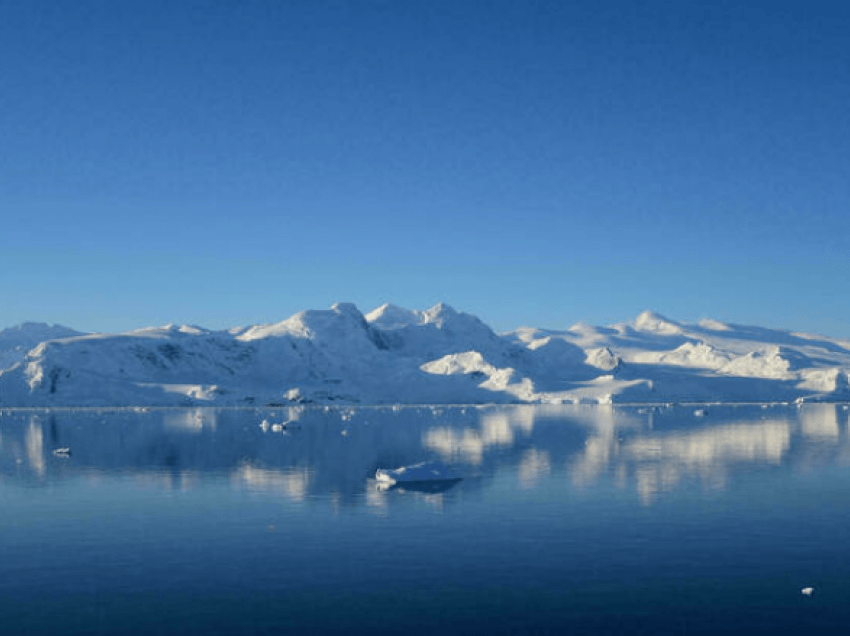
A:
389,316
714,325
445,316
166,331
436,355
440,313
656,323
16,341
34,332
311,323
434,332
348,309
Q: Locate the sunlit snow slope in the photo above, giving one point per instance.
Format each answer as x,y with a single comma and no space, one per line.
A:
15,342
439,355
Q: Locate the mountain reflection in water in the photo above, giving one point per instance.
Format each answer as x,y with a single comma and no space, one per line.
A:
310,454
568,519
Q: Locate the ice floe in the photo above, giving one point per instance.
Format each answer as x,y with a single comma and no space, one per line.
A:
423,472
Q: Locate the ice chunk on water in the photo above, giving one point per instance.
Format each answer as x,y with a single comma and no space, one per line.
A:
426,471
276,427
807,591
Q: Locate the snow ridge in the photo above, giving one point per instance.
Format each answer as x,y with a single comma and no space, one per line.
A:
16,341
435,355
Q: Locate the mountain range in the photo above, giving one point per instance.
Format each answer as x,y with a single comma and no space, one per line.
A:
440,355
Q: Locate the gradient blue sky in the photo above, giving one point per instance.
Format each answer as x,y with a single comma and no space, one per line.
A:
225,163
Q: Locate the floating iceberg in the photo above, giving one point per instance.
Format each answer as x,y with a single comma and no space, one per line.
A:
424,472
424,487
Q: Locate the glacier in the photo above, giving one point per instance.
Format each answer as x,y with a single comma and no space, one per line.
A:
394,355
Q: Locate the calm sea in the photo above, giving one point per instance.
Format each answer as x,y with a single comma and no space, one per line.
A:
568,520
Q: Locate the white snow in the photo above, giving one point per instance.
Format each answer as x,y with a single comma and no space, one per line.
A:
690,354
16,341
439,355
426,471
652,322
389,316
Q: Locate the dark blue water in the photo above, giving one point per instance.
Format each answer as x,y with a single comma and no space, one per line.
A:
569,520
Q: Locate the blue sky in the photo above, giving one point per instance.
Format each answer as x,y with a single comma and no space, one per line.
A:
225,163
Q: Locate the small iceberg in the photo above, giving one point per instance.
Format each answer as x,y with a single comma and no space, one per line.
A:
424,487
276,427
417,473
807,591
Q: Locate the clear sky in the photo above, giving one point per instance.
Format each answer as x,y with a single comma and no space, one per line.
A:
225,163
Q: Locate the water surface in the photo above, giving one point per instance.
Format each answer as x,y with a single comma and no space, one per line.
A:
569,519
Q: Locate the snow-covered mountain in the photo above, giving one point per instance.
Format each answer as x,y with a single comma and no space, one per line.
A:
15,342
439,355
